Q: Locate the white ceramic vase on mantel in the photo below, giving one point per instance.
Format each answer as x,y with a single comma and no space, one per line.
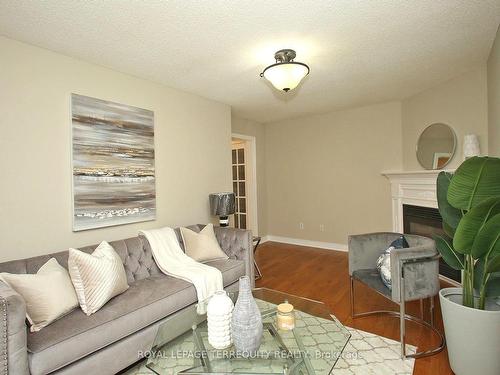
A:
219,315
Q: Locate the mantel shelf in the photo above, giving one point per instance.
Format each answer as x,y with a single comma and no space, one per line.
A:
413,174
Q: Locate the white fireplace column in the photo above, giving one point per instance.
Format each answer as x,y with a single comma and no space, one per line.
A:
417,188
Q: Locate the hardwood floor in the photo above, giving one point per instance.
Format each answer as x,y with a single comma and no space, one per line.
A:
322,275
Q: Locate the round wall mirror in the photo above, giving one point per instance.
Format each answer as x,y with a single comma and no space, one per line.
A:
436,146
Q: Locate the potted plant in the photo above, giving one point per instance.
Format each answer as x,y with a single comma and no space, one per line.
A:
469,203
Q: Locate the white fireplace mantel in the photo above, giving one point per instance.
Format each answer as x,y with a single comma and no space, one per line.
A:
417,188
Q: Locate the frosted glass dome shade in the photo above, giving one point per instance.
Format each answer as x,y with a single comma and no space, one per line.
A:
286,76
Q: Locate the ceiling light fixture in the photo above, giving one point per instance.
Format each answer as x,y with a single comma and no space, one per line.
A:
285,74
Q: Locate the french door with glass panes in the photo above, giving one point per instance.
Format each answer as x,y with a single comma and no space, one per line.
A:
239,185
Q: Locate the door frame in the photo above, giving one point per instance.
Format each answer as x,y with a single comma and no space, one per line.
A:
251,143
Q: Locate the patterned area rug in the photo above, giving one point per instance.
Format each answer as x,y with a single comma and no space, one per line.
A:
370,354
365,354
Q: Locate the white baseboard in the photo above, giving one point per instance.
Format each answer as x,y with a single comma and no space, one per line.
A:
308,243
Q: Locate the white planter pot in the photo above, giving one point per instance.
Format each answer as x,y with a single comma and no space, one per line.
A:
472,336
219,315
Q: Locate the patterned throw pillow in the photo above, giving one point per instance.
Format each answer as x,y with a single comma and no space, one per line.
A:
384,260
97,277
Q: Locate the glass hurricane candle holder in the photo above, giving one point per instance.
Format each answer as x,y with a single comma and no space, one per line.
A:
285,316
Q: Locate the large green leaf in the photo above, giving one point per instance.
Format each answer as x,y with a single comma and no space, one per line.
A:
450,256
474,181
472,223
493,284
451,215
487,242
494,264
450,232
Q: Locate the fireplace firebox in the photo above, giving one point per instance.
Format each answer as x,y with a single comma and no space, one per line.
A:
427,221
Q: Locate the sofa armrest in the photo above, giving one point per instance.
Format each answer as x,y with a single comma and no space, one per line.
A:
13,345
238,244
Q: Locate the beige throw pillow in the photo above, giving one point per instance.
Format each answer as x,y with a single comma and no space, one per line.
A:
48,294
97,277
203,246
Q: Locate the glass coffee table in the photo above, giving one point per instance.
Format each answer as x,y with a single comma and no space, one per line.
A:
312,347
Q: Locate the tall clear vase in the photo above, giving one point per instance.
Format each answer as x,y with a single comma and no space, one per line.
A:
246,321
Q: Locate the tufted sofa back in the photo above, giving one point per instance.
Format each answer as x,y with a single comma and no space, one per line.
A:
134,252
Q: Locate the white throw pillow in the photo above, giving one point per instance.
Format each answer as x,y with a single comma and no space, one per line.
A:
203,246
97,277
48,294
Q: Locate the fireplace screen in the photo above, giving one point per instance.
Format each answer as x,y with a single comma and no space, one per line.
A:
426,221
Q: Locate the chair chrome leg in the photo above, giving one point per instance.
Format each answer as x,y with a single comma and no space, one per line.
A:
402,329
351,292
403,317
258,274
402,325
432,311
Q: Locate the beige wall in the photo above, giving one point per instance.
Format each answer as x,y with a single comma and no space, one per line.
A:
461,103
315,170
192,140
494,98
325,169
319,168
257,130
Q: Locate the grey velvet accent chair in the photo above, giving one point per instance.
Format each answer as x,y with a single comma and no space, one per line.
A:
414,276
112,338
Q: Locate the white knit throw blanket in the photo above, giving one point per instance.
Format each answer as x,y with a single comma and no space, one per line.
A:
172,261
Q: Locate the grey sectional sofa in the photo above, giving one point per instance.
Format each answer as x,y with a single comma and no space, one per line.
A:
109,340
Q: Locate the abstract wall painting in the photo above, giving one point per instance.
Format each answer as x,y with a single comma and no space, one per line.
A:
113,163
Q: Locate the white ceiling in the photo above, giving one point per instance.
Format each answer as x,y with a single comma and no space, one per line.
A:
359,51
